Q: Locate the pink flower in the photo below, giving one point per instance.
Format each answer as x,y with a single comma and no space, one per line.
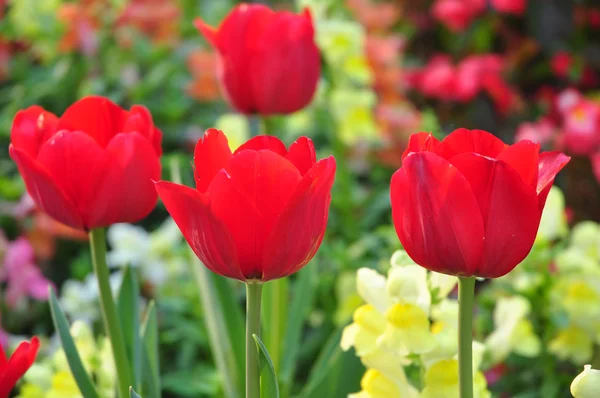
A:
541,131
567,99
437,79
595,159
561,63
582,128
457,15
24,278
516,7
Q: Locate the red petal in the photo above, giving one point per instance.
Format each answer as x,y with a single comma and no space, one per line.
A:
260,142
209,33
139,120
436,215
476,141
420,142
20,361
302,154
512,222
249,198
236,40
286,65
206,235
550,164
76,164
212,154
299,231
97,116
524,158
45,192
30,128
126,190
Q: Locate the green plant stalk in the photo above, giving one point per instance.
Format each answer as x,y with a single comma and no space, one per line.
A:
109,311
466,297
253,296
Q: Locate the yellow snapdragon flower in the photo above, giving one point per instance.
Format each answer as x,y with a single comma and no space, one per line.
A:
441,381
574,344
408,330
586,384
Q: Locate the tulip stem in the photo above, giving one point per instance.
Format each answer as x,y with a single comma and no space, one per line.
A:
109,312
253,296
466,296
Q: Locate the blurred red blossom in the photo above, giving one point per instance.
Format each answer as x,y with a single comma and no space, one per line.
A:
82,23
457,15
442,80
561,63
582,127
516,7
541,131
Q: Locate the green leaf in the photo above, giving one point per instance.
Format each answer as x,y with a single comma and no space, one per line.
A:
225,326
128,307
269,388
335,373
133,394
150,364
302,299
83,380
274,317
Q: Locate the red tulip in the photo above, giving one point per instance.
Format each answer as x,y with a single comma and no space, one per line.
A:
257,214
14,368
269,62
516,7
471,205
91,167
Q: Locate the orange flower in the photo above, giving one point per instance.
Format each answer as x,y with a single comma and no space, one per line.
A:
157,19
82,22
202,64
375,16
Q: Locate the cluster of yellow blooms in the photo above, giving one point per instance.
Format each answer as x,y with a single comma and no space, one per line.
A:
408,321
52,378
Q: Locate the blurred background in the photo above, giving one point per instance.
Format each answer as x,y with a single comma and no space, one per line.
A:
527,69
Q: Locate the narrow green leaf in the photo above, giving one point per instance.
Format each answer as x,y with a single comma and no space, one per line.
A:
269,388
335,373
133,394
83,380
302,299
225,327
150,364
128,307
274,317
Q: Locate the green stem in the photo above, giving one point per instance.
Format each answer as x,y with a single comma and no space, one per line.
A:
253,295
466,296
109,311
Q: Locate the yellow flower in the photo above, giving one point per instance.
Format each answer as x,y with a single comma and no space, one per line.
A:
30,391
63,386
572,343
513,333
363,333
371,286
587,383
353,110
408,330
586,238
553,224
375,385
441,381
408,285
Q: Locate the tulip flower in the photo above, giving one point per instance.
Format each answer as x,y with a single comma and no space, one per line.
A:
13,368
269,62
91,167
471,205
257,214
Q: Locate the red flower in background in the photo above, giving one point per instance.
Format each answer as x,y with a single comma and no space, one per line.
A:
257,214
157,19
470,205
582,127
516,7
457,15
269,62
561,63
473,75
13,368
203,64
91,167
